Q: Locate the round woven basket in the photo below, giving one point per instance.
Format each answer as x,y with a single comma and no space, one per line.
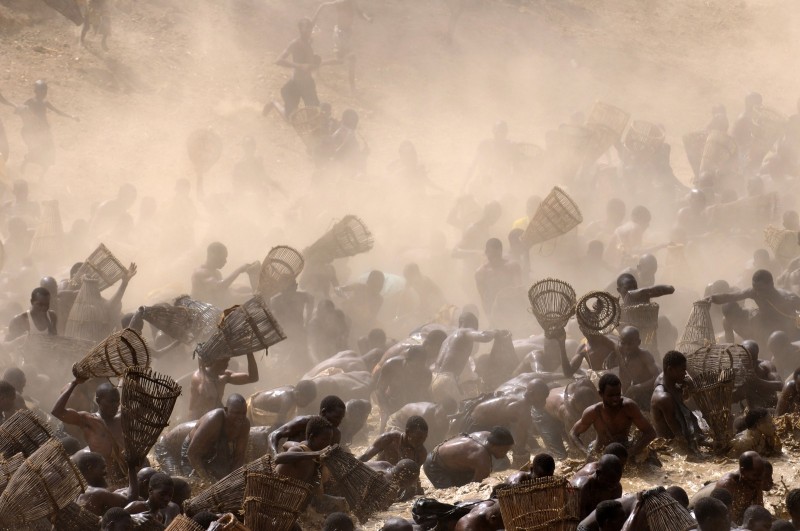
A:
715,358
282,265
644,137
552,303
89,318
101,265
694,144
557,214
23,433
175,321
73,517
613,118
307,120
184,523
598,313
227,494
664,513
273,502
205,317
114,355
543,503
783,243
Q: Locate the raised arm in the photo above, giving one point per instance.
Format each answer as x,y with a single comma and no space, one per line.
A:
244,378
291,428
487,336
61,113
116,301
226,282
653,291
60,409
735,296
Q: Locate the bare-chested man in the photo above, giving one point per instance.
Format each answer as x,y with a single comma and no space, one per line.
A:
300,57
789,399
555,411
40,319
331,408
393,446
217,444
402,380
745,485
293,310
346,13
276,406
36,129
207,282
637,368
777,308
497,274
612,420
671,417
599,352
631,293
464,459
485,516
436,416
209,381
158,507
102,430
454,355
432,344
762,387
602,485
98,498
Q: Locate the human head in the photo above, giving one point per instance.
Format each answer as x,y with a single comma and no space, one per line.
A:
763,281
615,211
40,300
751,347
433,343
338,522
411,272
160,490
218,366
116,519
761,258
181,491
15,377
756,518
406,473
759,419
217,255
610,388
319,433
723,495
610,515
333,409
236,410
92,467
536,393
397,524
751,469
107,398
305,26
468,320
712,515
499,442
543,465
143,477
416,431
753,100
609,470
40,89
793,504
618,450
640,215
50,284
647,266
375,281
674,366
494,250
350,119
305,391
629,340
679,495
778,342
376,338
625,283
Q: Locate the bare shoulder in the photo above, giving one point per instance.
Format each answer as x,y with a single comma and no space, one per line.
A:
630,407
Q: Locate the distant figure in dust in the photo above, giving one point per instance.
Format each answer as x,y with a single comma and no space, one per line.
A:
3,138
98,17
303,62
36,129
207,282
346,12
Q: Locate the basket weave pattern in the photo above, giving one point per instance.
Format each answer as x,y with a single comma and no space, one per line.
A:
699,331
273,502
543,503
552,303
22,433
227,494
101,265
557,214
598,313
282,265
713,393
348,237
112,357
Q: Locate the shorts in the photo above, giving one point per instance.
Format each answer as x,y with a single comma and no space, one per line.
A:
444,385
299,89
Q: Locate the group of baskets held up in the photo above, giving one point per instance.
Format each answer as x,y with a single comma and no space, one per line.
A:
715,371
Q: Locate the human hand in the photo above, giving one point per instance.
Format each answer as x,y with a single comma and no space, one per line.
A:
131,272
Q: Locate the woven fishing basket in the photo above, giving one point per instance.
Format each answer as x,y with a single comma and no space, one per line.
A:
713,393
23,433
113,356
243,330
7,469
43,485
228,522
49,233
782,242
694,144
557,214
645,318
769,125
273,502
552,303
175,321
598,313
55,348
101,265
282,265
307,121
715,358
365,490
227,494
719,152
205,317
613,118
146,404
73,517
184,523
699,331
89,319
543,503
664,513
348,237
644,137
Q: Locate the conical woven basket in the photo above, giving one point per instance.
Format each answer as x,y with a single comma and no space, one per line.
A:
644,137
49,233
365,490
73,517
114,355
664,513
244,329
769,125
783,243
23,433
273,502
557,214
598,313
713,393
205,317
146,404
184,523
7,469
609,116
101,265
175,321
43,485
88,318
645,318
227,494
552,303
715,358
719,153
693,144
543,503
348,237
699,331
282,265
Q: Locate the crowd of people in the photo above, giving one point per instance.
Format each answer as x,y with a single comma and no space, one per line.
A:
423,361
